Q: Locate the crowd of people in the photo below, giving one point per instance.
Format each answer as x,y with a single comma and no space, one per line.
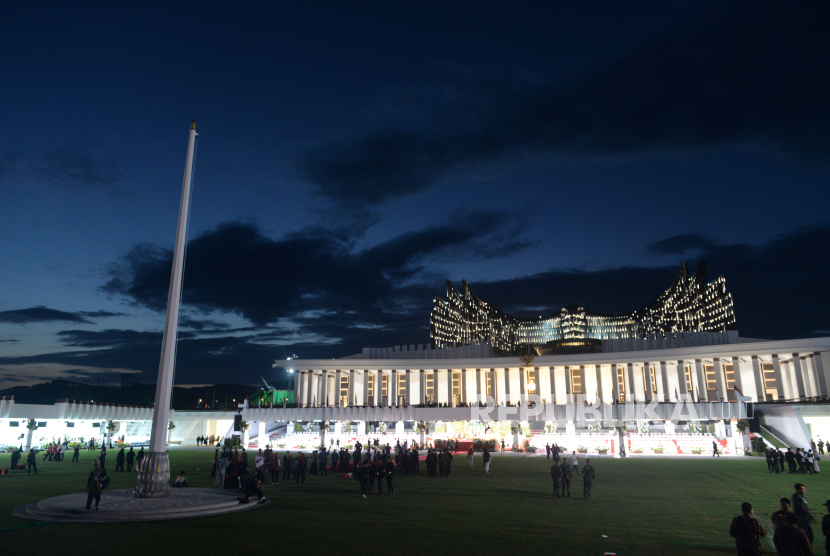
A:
798,460
792,526
370,464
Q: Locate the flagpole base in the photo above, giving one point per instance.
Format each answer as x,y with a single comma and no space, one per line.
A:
153,476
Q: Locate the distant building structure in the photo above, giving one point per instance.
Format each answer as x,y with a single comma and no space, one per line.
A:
690,305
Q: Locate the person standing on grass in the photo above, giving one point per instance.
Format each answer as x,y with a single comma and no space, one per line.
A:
139,458
131,459
31,460
102,457
789,540
299,474
588,475
274,467
715,448
286,467
747,532
485,457
547,450
556,475
120,457
221,470
470,455
575,463
779,517
801,510
781,460
821,446
216,459
390,474
566,478
825,525
76,453
769,460
94,484
322,461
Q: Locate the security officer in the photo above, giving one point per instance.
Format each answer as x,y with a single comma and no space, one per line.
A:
556,475
588,475
566,478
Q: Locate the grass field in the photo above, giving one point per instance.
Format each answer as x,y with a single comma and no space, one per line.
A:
645,506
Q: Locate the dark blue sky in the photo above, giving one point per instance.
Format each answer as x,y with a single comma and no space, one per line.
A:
352,158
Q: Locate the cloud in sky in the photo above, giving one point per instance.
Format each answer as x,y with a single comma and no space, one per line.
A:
65,167
333,300
235,268
44,314
749,75
31,373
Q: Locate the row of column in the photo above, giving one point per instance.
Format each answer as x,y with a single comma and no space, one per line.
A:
796,377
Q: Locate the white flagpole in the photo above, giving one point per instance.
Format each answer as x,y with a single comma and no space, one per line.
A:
155,469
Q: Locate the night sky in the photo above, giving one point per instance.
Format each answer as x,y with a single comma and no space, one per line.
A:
355,156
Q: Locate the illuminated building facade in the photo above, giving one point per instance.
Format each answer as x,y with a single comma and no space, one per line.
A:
691,304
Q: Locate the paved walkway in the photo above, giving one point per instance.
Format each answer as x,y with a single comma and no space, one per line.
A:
121,506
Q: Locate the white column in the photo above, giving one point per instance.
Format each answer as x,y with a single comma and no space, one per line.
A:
799,376
779,378
393,379
552,385
324,393
378,388
463,386
299,377
352,376
494,386
450,401
598,369
408,387
648,386
423,389
758,374
682,387
522,390
615,383
338,378
719,378
736,370
664,377
702,391
810,375
632,392
818,364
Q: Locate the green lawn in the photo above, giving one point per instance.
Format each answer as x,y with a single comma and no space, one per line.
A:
645,506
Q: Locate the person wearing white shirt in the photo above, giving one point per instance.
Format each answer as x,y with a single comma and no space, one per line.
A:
575,463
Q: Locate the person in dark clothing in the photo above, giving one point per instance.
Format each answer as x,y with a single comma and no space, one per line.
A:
31,460
16,455
781,460
76,453
789,540
802,511
322,461
120,457
95,484
300,472
747,532
404,461
390,473
139,458
588,475
779,517
715,451
769,460
335,458
556,475
102,457
274,467
286,467
566,478
821,447
253,486
825,523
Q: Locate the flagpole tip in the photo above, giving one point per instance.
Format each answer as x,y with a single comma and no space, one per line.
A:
193,125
